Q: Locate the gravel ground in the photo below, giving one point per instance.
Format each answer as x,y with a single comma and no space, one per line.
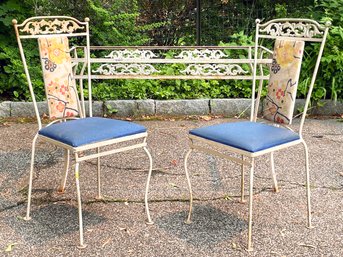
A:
116,227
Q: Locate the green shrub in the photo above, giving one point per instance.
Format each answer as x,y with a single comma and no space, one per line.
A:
116,22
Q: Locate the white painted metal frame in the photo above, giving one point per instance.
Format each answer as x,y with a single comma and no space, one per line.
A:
295,29
52,26
145,62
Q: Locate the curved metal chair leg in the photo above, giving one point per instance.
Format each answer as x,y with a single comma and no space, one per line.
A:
188,221
77,175
308,190
99,196
276,188
62,187
242,181
147,187
251,186
27,217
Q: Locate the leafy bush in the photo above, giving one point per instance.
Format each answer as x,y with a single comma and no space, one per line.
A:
13,83
330,78
120,22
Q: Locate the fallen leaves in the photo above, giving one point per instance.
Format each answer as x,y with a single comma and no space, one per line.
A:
206,118
227,198
10,247
174,162
106,242
282,232
125,230
6,124
236,247
20,218
173,185
307,245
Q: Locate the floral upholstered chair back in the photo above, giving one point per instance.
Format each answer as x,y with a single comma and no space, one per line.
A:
60,86
283,81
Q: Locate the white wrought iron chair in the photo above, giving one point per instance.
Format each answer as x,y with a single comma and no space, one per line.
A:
251,139
71,129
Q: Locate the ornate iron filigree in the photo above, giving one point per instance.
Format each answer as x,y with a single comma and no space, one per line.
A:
55,26
201,54
126,69
214,69
131,54
300,29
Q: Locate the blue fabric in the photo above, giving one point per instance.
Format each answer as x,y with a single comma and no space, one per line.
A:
248,136
90,130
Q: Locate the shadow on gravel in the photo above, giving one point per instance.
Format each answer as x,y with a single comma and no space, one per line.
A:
52,221
17,164
209,226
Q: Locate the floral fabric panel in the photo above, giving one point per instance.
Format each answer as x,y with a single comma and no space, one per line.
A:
283,81
57,73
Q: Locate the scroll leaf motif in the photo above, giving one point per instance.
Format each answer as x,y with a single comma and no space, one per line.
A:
55,26
125,69
214,69
129,54
201,54
299,29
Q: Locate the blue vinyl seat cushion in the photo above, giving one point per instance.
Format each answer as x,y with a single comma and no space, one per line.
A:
246,135
90,130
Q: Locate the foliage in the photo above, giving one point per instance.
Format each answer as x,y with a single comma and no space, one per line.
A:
117,24
177,17
332,61
133,22
12,80
113,22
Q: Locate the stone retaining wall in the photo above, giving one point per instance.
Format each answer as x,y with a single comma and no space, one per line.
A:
124,108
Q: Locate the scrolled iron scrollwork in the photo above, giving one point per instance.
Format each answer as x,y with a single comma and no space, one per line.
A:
131,54
294,29
126,69
201,54
214,69
46,27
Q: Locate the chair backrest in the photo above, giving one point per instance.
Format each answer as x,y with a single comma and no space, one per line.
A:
283,81
53,34
60,88
290,36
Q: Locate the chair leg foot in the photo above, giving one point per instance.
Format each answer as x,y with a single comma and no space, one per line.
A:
250,249
188,221
83,246
149,222
60,191
27,218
